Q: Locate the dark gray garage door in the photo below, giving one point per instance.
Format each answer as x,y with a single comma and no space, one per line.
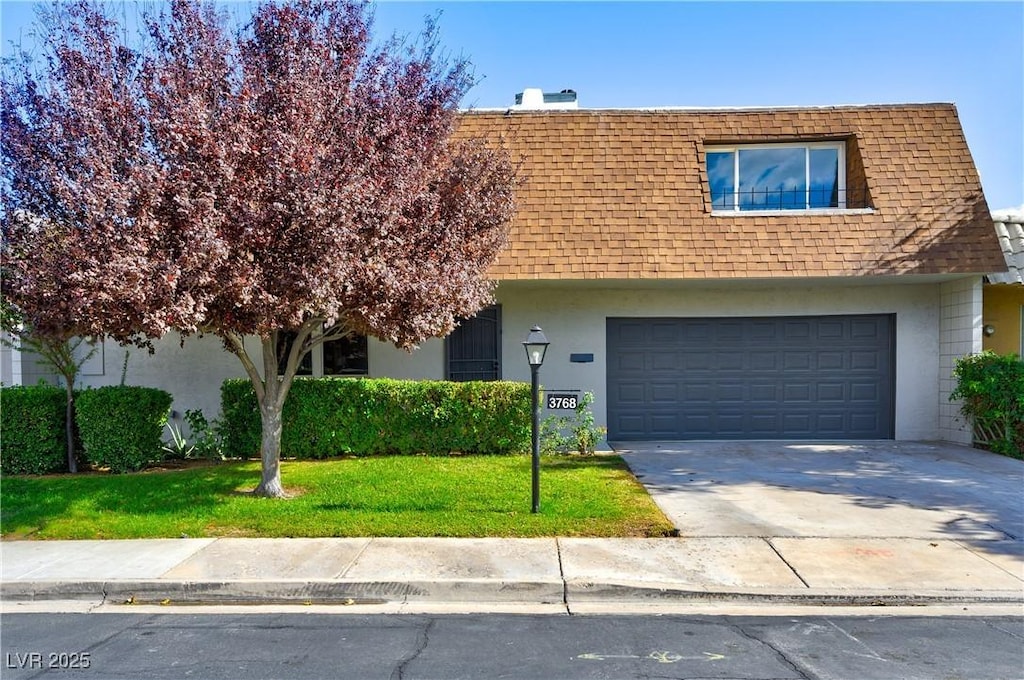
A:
806,377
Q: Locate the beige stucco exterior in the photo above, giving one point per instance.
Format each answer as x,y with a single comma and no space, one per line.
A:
935,322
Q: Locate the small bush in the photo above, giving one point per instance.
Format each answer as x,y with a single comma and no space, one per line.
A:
121,426
331,416
991,387
32,429
572,433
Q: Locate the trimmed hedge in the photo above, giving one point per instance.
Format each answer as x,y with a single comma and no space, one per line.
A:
331,416
121,426
32,428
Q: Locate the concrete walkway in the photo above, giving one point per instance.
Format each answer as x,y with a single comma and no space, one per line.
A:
866,524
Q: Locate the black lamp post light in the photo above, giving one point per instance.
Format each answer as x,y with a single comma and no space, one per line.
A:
536,347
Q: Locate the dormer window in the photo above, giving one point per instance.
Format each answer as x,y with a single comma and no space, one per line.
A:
792,176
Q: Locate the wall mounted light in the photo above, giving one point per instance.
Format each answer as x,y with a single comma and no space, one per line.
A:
989,330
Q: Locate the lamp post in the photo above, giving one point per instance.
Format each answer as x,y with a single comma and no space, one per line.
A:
536,346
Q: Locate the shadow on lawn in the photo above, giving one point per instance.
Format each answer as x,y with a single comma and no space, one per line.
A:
29,502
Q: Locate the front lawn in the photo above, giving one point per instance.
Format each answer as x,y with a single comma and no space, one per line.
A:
371,496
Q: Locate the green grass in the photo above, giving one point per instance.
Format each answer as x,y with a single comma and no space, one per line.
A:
371,496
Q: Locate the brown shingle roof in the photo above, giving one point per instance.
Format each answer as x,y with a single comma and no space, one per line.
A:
623,195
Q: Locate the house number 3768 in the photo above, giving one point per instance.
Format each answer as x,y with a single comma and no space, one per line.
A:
563,401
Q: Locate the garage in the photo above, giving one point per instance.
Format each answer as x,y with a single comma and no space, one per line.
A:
794,377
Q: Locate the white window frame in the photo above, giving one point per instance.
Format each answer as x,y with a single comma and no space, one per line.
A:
806,146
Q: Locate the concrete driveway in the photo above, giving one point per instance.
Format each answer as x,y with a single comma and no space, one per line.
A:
835,490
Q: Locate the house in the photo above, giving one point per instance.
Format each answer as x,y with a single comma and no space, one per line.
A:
1003,293
761,273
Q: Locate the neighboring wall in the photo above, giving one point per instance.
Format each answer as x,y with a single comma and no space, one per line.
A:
573,318
1004,311
960,328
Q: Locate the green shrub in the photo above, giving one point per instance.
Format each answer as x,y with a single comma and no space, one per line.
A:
32,430
121,425
991,387
572,433
331,416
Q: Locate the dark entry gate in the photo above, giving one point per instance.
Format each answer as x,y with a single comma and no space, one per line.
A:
474,347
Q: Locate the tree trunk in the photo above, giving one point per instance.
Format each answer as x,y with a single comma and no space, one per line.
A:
69,425
271,392
270,453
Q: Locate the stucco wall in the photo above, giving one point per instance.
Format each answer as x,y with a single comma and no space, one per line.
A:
10,364
193,372
573,317
574,321
25,367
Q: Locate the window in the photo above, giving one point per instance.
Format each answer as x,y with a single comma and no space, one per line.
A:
777,176
347,356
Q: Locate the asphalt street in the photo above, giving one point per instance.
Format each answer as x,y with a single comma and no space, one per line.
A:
392,647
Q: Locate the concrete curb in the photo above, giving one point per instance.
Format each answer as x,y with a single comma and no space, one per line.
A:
157,591
288,591
589,592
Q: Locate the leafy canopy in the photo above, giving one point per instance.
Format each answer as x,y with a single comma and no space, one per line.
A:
240,181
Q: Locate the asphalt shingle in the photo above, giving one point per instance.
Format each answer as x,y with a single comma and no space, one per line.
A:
622,194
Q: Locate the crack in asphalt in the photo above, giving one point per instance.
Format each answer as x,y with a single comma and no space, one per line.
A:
1011,633
422,640
778,652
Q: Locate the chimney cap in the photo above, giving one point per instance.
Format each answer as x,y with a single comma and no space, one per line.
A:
532,98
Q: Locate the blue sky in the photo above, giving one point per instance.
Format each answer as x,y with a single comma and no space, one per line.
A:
638,54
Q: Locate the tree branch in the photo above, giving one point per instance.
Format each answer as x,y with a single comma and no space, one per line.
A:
236,345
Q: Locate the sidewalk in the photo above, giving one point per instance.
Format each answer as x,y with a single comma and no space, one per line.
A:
566,571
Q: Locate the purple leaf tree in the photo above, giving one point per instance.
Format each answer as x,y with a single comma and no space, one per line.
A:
280,177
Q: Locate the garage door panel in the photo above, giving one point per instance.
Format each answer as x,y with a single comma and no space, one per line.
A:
863,392
665,392
631,393
630,361
864,422
830,330
763,361
664,424
798,423
730,392
797,330
797,361
664,361
723,332
830,361
829,423
665,333
763,393
831,392
631,332
864,360
760,377
797,392
865,329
